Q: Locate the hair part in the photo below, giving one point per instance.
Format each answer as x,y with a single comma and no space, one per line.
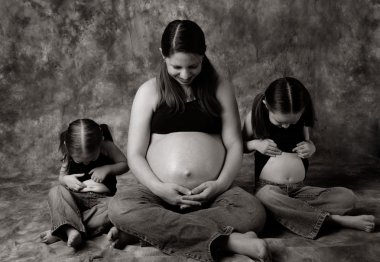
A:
83,136
285,95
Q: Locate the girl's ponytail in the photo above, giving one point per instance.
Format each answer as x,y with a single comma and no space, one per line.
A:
309,113
106,132
62,146
259,112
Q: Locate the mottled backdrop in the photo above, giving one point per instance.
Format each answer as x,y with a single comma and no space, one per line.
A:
61,60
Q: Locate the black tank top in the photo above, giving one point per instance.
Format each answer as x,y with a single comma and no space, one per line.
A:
285,138
78,168
192,119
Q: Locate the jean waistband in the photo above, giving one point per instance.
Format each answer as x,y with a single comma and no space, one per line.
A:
263,182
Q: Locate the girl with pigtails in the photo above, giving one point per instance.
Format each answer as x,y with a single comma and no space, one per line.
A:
87,180
278,130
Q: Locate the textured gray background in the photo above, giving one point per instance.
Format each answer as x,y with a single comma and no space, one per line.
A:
61,60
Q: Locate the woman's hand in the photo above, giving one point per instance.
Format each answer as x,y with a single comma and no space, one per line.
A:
99,174
305,149
268,147
72,182
204,192
173,194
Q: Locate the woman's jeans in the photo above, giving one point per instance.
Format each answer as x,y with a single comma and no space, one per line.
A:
87,212
199,233
303,209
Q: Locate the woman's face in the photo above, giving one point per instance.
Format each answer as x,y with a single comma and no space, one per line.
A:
184,67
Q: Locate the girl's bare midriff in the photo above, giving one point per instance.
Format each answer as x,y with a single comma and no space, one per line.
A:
284,169
186,158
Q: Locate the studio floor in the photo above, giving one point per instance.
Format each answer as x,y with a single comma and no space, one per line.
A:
24,214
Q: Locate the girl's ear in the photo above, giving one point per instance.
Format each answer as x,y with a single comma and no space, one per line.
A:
265,103
163,57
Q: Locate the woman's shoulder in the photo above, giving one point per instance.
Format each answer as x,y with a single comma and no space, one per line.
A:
148,91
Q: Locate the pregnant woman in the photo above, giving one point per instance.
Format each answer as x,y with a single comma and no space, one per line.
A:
185,149
277,128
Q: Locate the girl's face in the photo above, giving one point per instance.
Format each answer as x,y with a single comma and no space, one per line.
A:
184,67
86,158
284,120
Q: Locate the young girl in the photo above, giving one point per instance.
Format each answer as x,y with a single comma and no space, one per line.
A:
277,128
90,163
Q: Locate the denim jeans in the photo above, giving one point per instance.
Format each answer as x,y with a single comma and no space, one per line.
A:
303,209
87,212
198,233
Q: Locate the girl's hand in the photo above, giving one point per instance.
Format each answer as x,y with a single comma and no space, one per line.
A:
305,149
204,192
268,147
173,194
99,174
72,182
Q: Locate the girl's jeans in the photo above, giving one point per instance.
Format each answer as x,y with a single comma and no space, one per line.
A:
86,211
303,209
198,233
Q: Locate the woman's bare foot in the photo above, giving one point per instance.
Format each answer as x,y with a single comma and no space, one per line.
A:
120,239
249,245
47,238
362,222
74,238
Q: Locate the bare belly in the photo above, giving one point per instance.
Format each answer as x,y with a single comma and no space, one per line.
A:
186,158
92,186
284,169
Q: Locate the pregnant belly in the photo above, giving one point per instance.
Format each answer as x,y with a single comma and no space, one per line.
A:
284,169
186,158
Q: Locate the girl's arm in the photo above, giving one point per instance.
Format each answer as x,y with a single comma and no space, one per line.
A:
264,146
305,149
63,171
120,165
71,181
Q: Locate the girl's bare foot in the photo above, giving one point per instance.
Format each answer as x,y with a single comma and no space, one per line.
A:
74,238
120,239
47,238
248,244
362,222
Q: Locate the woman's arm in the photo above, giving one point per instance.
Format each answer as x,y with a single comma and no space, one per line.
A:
139,134
231,137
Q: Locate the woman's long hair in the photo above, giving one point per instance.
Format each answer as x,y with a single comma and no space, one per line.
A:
187,37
